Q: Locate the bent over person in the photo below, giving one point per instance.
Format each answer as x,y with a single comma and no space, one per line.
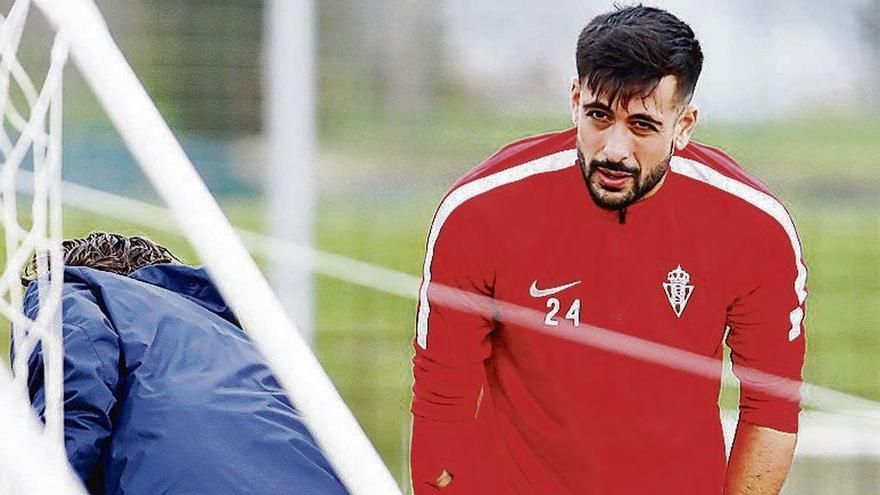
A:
621,223
163,390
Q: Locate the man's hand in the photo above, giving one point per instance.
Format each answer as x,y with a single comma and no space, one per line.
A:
759,460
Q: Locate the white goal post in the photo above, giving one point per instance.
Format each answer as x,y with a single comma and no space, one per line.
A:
29,461
164,162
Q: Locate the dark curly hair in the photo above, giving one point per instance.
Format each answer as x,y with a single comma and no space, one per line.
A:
108,252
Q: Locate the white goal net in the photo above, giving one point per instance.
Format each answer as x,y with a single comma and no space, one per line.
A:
31,455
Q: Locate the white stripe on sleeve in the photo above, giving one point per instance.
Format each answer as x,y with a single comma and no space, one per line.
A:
764,202
549,163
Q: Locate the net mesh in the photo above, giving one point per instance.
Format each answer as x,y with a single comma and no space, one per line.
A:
31,137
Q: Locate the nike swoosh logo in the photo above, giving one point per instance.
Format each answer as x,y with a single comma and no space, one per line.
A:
534,291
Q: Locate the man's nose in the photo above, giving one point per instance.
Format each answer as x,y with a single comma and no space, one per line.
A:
618,145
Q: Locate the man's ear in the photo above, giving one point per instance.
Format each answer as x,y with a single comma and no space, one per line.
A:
575,100
684,128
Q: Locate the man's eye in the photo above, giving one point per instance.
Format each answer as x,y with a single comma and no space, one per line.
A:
644,126
596,114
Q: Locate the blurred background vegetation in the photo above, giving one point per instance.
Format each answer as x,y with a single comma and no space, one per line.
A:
403,110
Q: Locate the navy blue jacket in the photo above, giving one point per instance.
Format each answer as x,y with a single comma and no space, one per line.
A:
164,393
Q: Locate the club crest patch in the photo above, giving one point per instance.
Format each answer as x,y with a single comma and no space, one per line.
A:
678,289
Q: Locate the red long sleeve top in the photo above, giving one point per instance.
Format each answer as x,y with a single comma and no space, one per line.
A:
506,409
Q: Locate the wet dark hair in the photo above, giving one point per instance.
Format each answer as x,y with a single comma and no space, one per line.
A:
108,252
624,54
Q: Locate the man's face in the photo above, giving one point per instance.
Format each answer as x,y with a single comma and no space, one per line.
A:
625,152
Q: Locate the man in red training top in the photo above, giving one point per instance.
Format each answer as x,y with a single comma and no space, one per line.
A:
622,224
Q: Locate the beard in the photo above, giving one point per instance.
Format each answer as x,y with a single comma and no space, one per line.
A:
639,184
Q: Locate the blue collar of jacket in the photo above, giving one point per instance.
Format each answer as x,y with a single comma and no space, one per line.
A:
194,283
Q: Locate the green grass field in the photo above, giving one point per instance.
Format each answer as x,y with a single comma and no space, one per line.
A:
364,337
